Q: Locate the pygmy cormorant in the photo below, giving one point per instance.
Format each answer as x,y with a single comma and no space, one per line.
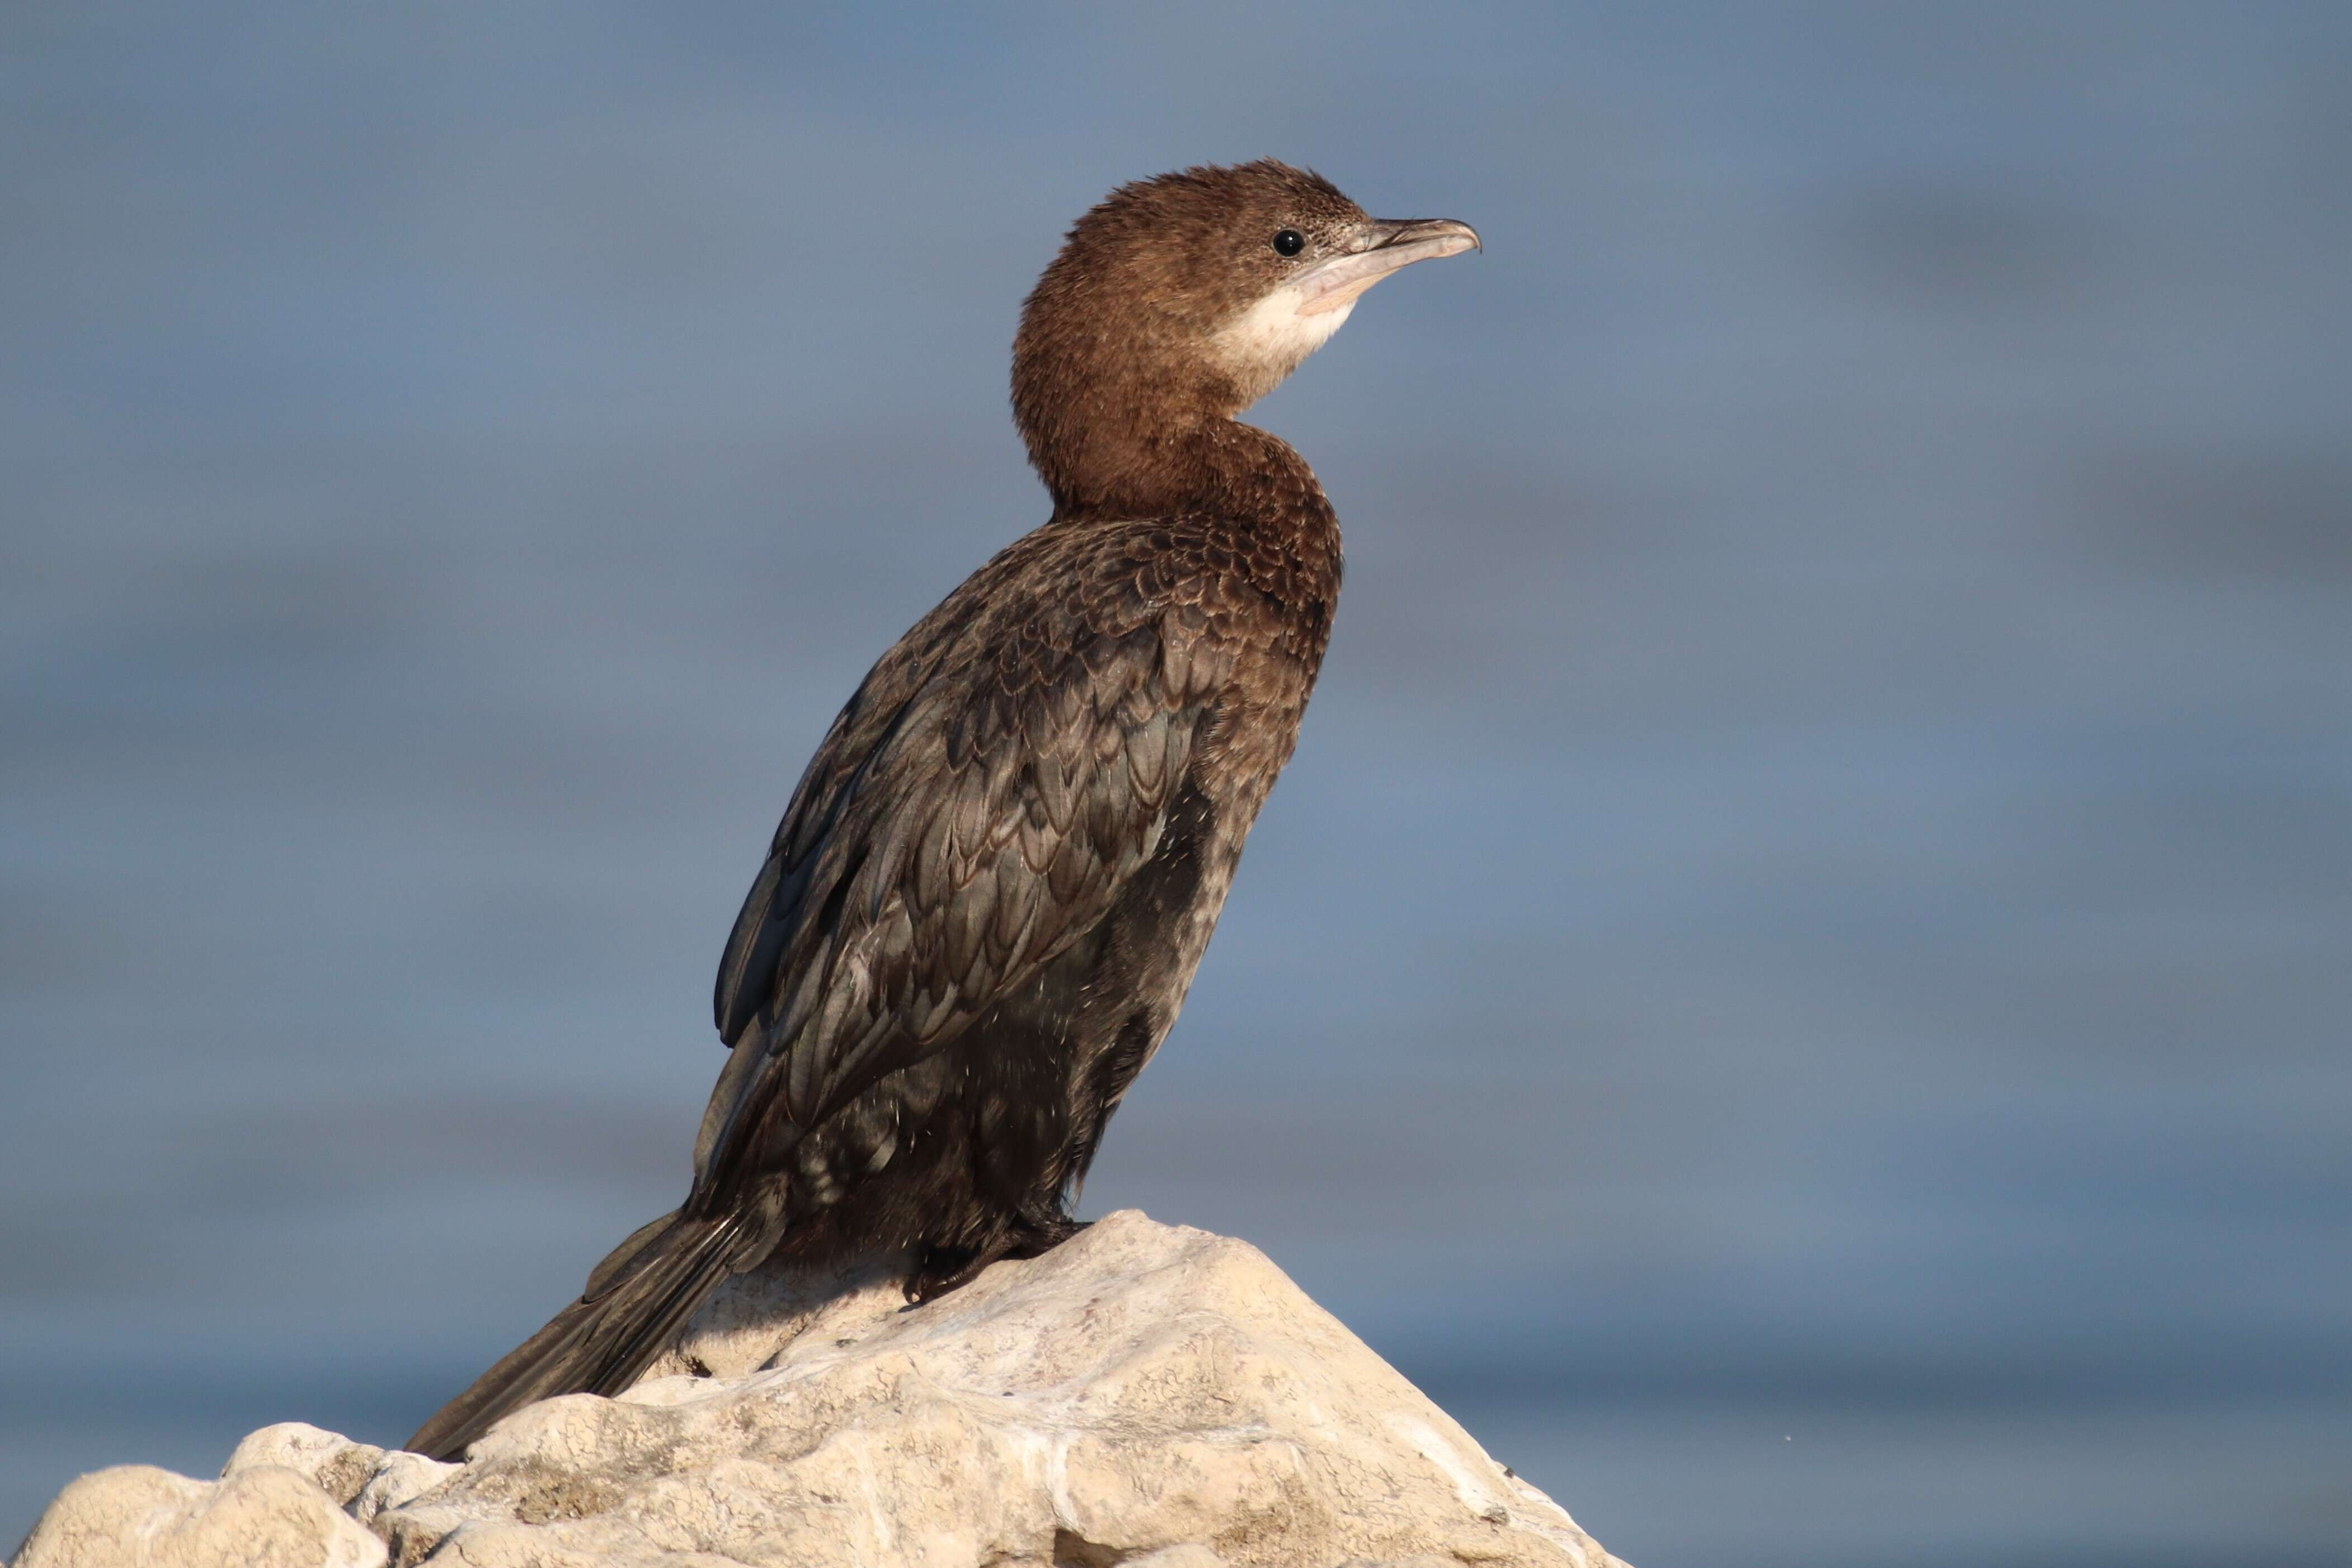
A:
986,900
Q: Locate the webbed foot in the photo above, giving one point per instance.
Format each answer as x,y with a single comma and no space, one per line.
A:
944,1268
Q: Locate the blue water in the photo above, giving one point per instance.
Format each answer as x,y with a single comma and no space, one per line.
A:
1798,981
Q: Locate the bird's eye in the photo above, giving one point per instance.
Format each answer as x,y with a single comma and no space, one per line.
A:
1289,241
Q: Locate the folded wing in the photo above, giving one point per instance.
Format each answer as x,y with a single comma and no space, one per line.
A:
976,809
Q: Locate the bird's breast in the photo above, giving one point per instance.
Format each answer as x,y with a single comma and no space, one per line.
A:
1250,640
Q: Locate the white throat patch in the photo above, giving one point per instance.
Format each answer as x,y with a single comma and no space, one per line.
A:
1269,339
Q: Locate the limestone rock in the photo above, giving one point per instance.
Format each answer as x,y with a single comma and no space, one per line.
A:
1144,1396
136,1516
749,1319
333,1463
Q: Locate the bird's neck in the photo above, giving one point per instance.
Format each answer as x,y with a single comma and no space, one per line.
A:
1216,466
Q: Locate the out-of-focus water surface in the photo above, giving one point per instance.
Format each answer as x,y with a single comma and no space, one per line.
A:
1799,980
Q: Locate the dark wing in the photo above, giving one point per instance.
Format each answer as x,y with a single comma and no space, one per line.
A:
976,810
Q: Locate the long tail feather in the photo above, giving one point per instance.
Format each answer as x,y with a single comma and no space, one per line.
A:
636,1300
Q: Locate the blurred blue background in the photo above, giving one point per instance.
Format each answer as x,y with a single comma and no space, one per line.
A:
1798,981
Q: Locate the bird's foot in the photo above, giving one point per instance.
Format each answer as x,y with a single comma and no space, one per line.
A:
1039,1235
945,1268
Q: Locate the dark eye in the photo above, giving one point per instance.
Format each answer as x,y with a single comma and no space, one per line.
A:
1289,241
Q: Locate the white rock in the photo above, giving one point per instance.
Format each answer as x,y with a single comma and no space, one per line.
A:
751,1317
400,1481
337,1466
136,1516
1146,1396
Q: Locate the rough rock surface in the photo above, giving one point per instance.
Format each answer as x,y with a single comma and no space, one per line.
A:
1145,1396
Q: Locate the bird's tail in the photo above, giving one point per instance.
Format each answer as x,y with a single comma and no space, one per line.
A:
636,1300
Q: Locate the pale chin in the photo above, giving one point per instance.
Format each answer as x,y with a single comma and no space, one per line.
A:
1269,339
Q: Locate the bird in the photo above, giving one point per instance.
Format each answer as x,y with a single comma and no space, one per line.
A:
986,900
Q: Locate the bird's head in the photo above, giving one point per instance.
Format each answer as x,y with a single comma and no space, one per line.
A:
1185,299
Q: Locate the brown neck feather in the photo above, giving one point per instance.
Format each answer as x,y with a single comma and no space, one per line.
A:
1219,466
